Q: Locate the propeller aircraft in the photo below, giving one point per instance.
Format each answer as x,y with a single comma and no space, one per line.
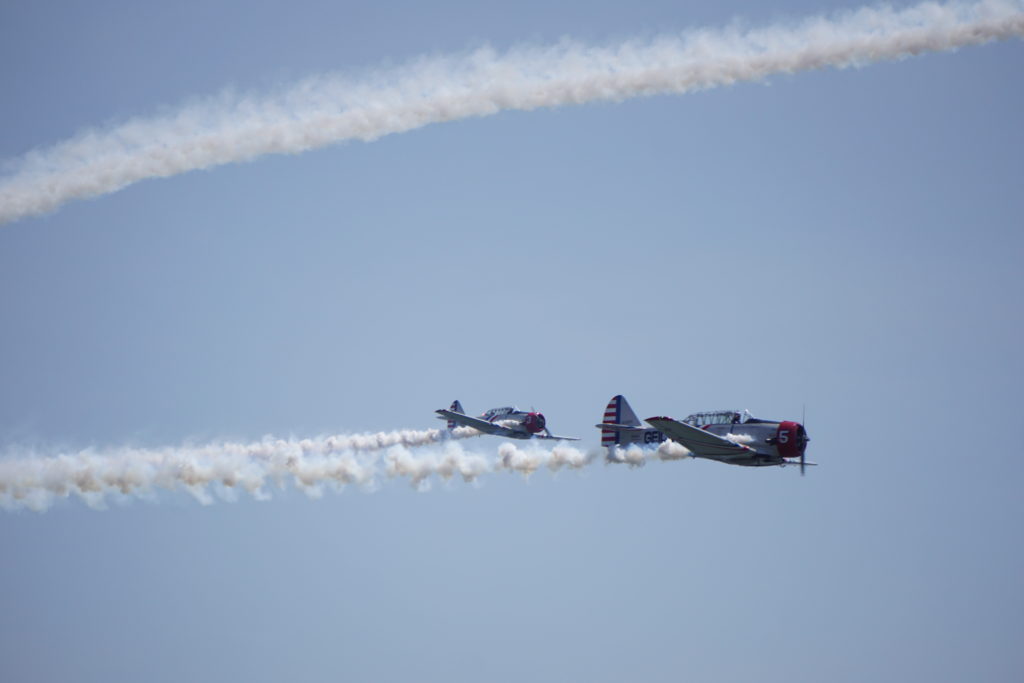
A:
509,422
729,436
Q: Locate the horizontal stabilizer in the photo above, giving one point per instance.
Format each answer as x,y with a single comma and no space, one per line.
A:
620,428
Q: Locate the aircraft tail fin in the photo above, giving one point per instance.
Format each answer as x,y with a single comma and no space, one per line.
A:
618,412
455,407
621,426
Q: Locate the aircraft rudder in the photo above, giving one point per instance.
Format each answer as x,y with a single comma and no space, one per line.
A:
455,407
616,412
627,426
626,414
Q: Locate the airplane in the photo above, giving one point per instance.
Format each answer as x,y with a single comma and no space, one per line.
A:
508,422
729,436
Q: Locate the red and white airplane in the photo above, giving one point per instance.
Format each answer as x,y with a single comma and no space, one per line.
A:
509,422
729,436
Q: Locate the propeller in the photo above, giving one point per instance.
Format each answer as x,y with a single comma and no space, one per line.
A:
804,439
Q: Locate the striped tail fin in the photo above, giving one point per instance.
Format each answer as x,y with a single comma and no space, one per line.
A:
455,407
618,412
621,427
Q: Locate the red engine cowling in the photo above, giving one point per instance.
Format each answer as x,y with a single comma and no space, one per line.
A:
534,422
791,439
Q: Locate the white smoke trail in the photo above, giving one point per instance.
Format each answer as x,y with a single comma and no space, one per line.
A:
528,460
35,482
330,109
372,442
454,460
635,455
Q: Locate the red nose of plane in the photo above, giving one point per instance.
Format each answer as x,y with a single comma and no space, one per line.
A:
791,439
534,422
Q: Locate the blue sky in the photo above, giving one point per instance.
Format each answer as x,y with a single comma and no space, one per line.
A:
846,240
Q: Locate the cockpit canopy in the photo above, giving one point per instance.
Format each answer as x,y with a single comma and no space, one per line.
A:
719,417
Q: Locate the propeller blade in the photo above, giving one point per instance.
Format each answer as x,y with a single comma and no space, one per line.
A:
803,446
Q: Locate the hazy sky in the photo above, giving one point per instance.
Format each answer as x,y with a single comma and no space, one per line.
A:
845,240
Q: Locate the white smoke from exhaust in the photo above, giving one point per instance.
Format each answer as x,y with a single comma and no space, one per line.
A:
222,469
452,460
372,442
527,460
637,456
329,109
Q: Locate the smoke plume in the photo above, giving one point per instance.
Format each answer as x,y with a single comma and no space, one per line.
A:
638,456
330,109
223,469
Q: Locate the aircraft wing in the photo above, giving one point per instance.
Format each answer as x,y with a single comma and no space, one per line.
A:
478,424
701,443
557,438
